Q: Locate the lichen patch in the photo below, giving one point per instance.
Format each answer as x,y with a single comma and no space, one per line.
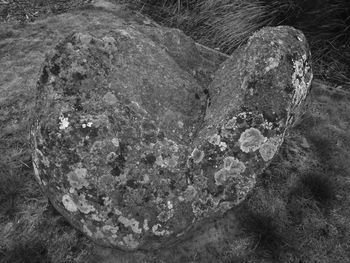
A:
77,177
164,216
145,225
115,142
110,229
232,169
64,123
180,124
109,98
130,241
84,206
132,223
272,63
231,123
157,232
69,203
251,140
228,162
269,148
301,79
197,155
215,139
223,146
190,193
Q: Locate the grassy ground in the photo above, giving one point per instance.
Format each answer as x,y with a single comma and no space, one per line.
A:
30,228
299,211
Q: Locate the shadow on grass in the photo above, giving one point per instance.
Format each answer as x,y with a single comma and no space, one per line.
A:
268,239
312,191
10,187
315,187
25,253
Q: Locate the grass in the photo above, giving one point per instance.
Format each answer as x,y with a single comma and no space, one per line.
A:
268,240
318,187
226,24
31,230
303,196
26,253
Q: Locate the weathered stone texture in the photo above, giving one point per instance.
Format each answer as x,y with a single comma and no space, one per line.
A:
134,148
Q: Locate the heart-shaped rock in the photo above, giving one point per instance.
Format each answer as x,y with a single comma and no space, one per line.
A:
135,151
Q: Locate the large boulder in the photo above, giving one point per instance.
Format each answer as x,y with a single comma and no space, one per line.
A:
136,141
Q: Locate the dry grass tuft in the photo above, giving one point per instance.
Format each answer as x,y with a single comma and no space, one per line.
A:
226,24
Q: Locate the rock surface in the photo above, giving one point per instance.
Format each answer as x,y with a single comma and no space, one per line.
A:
133,145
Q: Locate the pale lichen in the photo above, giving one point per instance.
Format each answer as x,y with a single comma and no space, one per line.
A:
164,216
109,98
197,155
115,142
251,140
232,169
111,157
145,225
97,146
244,187
269,148
225,205
117,211
69,204
170,161
130,241
98,234
228,162
202,206
64,123
110,229
157,232
132,223
223,146
159,161
77,178
231,123
84,206
96,217
190,193
301,79
215,139
272,63
180,124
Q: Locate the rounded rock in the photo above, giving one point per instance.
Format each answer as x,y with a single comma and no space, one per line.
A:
107,146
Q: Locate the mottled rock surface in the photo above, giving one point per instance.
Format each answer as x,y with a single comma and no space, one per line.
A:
136,139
